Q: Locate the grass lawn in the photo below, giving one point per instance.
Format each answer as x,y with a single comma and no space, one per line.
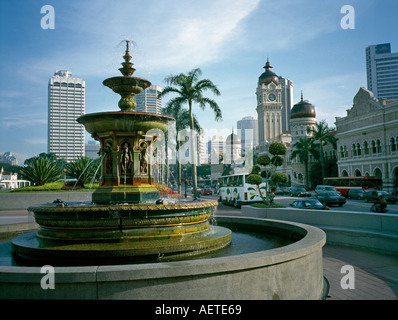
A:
57,187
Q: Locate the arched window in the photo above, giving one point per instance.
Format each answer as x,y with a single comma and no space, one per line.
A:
373,146
378,146
354,150
359,152
300,178
366,148
341,152
393,144
377,172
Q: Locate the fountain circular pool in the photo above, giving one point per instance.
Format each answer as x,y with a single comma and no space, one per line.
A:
246,269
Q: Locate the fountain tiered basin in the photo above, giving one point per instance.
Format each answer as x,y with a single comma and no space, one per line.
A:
83,233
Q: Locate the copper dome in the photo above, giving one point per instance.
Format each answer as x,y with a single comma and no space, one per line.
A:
268,76
303,109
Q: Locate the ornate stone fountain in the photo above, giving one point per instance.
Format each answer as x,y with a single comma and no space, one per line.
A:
123,223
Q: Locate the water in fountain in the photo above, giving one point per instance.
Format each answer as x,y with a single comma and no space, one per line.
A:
84,170
96,171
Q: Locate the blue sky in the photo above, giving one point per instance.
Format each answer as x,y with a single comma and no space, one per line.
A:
229,40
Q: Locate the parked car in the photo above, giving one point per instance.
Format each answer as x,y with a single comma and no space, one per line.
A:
207,191
300,192
372,195
357,194
323,188
309,204
287,191
331,197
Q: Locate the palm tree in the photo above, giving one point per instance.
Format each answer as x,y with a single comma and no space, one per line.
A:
190,90
82,169
323,135
303,148
41,170
182,121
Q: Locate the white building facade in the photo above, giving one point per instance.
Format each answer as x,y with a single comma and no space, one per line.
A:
382,71
302,125
66,102
368,139
10,181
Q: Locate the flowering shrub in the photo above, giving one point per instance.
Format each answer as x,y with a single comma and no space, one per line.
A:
166,191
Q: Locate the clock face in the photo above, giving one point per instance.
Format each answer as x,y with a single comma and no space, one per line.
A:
271,97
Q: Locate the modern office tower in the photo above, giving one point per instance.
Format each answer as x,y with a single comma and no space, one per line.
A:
66,100
148,101
382,71
248,132
287,101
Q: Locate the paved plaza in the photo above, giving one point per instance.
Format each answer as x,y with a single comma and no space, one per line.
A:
376,275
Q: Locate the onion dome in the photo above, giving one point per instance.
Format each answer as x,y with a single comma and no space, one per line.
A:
268,76
233,139
303,109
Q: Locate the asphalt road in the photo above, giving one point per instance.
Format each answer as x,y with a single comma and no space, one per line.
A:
350,205
22,216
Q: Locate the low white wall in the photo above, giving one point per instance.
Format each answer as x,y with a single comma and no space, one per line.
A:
377,231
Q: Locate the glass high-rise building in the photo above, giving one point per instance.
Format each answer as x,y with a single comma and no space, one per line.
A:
287,101
148,101
248,132
382,71
66,102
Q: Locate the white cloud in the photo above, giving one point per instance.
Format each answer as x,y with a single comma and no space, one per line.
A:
25,121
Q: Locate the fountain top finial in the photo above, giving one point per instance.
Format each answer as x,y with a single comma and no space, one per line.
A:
127,69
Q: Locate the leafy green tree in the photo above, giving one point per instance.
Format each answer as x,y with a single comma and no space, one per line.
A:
41,170
174,108
83,169
302,149
190,89
256,175
331,170
323,135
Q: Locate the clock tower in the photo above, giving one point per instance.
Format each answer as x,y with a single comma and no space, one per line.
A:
269,108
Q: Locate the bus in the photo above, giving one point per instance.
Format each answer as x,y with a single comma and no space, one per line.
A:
345,184
234,190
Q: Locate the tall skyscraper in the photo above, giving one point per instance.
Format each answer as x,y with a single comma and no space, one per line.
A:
248,132
287,101
382,71
66,101
148,101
